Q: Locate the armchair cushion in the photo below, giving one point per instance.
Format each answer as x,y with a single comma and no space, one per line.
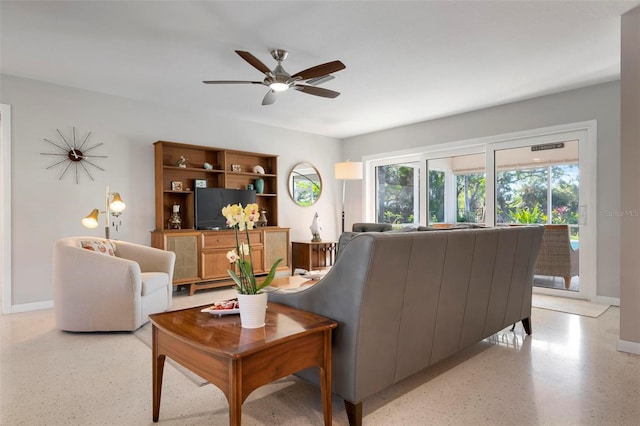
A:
99,246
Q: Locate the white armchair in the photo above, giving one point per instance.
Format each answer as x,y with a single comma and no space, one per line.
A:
99,292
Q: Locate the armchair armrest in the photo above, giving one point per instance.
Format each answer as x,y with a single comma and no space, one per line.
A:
150,259
91,275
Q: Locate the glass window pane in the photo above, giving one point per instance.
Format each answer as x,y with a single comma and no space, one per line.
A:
470,196
436,196
564,194
397,193
521,196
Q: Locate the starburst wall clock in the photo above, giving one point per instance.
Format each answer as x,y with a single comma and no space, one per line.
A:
74,157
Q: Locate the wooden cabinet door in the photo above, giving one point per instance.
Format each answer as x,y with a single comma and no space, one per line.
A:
186,248
215,263
276,246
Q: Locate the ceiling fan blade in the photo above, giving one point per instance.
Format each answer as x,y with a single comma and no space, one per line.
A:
319,70
320,80
317,91
253,61
231,82
270,97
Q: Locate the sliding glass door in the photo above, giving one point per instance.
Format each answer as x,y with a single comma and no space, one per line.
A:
545,177
545,180
540,184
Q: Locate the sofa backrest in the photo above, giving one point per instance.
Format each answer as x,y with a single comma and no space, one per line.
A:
404,301
435,293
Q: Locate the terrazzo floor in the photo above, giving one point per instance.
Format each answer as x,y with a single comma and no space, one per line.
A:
567,372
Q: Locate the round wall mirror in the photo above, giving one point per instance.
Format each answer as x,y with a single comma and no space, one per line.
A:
305,184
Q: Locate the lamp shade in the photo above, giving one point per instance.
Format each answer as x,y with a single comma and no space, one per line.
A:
91,221
117,205
349,170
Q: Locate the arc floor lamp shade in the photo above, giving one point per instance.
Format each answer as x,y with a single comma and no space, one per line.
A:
347,170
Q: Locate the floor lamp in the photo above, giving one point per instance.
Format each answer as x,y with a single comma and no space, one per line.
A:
348,170
114,206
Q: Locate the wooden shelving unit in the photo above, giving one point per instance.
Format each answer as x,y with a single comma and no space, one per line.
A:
201,255
167,155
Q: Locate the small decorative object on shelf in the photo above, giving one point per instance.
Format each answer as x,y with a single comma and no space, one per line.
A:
263,218
176,186
208,166
182,162
250,187
200,183
258,169
251,316
259,183
175,221
315,228
236,168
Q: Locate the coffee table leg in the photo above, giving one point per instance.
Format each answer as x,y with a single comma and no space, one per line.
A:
235,392
157,366
325,379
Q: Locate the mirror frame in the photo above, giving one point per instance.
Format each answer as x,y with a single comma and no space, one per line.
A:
293,173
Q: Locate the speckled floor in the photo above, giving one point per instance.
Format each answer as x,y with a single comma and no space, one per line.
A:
567,372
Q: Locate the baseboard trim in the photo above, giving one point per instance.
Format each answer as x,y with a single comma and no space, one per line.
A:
604,300
35,306
629,347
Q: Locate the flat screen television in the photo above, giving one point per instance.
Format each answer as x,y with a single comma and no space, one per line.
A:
210,201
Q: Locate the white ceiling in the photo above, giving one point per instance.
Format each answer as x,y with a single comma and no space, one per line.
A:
406,61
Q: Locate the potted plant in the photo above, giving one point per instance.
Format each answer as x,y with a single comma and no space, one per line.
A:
251,298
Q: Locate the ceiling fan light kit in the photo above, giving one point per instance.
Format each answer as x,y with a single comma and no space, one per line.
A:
278,80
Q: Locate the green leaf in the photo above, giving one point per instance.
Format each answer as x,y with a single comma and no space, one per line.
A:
270,276
234,277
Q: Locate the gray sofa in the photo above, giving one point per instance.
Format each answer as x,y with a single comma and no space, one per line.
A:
406,300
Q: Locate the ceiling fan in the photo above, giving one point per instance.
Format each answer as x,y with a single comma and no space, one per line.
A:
278,80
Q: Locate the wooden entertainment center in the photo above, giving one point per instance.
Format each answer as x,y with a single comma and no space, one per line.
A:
201,254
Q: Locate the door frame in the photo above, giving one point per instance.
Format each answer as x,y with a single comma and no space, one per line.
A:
5,209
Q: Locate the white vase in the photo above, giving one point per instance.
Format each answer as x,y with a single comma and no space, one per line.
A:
253,309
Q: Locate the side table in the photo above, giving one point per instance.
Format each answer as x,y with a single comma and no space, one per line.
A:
309,255
239,360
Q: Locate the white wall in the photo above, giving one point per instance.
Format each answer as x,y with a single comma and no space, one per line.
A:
600,102
45,208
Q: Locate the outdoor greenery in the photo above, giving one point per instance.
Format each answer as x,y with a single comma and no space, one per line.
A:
395,189
436,196
521,195
470,191
305,192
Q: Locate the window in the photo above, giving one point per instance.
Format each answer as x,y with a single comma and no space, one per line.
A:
397,189
436,195
521,196
541,176
470,195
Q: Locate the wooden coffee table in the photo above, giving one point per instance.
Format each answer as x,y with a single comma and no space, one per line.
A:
239,360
